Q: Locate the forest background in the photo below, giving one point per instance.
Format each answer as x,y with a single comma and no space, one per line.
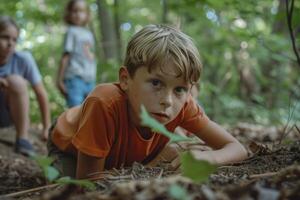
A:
250,69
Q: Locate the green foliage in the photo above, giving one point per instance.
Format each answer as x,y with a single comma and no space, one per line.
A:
177,192
197,170
158,127
231,36
109,72
83,183
52,174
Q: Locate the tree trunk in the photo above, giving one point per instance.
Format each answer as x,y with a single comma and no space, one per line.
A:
117,28
164,11
108,32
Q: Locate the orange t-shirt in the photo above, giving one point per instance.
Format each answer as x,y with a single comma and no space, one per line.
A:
101,127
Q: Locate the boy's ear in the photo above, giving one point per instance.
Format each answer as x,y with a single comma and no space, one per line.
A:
124,78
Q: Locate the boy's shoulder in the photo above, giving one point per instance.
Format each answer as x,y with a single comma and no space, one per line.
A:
108,92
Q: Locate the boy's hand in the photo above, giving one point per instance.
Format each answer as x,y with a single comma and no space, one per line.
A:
170,154
204,155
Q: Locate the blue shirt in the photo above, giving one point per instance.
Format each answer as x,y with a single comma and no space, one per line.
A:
21,63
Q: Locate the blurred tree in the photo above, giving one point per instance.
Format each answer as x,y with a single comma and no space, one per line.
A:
108,31
249,64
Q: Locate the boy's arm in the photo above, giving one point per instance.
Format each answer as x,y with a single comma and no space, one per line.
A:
61,71
42,98
88,166
227,149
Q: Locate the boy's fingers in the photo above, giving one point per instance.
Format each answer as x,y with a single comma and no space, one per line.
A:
167,155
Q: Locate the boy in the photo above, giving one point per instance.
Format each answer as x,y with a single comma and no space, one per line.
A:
160,67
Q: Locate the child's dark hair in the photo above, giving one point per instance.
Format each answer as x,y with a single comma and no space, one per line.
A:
68,9
6,21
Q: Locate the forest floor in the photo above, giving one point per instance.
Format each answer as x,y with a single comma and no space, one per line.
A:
272,172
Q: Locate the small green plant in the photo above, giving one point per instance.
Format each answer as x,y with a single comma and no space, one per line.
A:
196,170
158,127
44,162
84,183
52,174
177,192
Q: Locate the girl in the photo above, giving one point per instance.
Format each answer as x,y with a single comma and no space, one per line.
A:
15,69
77,71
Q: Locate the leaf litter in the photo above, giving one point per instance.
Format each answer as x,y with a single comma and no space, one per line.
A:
272,171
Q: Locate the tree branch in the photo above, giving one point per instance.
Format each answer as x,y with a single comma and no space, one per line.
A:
289,15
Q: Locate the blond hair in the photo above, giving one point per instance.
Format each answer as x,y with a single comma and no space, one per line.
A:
158,45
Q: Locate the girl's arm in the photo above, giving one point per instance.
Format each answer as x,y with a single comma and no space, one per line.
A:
88,166
3,83
42,98
227,149
61,71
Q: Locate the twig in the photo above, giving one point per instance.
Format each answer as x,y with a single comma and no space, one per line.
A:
116,171
283,55
297,128
160,173
290,116
99,173
289,15
264,175
20,193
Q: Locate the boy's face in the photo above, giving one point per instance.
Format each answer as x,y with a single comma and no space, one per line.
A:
163,95
8,40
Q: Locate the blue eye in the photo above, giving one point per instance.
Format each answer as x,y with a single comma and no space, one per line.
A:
180,90
155,82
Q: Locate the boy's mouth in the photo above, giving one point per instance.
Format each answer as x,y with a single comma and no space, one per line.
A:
162,116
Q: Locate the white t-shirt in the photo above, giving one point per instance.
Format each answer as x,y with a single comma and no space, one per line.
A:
79,43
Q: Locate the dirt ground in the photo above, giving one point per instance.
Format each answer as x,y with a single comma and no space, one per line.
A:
272,172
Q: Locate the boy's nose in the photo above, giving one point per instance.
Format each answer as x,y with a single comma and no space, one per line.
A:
166,100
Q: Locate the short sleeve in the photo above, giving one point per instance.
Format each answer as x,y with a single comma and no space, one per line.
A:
96,131
69,41
194,118
32,73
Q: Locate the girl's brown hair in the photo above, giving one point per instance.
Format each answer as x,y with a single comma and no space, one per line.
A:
6,21
68,9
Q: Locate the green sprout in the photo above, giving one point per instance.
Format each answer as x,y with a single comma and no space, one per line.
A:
84,183
52,174
177,192
49,172
196,170
158,127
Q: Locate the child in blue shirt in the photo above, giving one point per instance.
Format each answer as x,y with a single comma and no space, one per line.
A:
16,68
